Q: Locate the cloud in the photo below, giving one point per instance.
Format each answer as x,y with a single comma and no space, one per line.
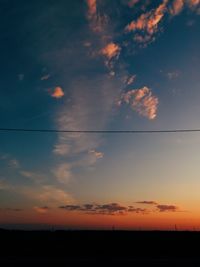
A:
61,149
137,210
167,208
45,77
42,210
111,50
128,80
142,101
63,173
90,99
193,3
92,8
58,92
97,21
13,163
51,195
97,154
46,195
173,75
147,202
36,177
103,209
132,3
147,24
176,8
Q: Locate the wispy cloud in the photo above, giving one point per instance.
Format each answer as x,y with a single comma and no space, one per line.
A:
132,3
142,101
173,74
42,210
45,77
82,114
147,24
176,7
167,208
34,176
14,163
47,195
129,79
97,154
57,92
103,209
97,21
63,173
147,202
92,8
193,3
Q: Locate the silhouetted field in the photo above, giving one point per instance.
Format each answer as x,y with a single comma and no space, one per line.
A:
92,248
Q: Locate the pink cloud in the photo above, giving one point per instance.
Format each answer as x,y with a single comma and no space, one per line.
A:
148,22
111,50
92,8
58,92
176,7
142,101
97,21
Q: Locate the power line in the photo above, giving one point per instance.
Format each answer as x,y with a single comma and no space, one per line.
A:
99,131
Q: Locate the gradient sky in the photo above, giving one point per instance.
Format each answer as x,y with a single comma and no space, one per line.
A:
100,65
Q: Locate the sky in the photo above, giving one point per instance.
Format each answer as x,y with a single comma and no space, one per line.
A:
93,65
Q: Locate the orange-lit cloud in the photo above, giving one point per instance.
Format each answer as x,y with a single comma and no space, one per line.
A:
97,21
177,6
148,22
92,8
141,101
111,50
97,154
41,209
58,92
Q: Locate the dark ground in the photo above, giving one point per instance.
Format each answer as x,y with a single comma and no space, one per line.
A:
92,248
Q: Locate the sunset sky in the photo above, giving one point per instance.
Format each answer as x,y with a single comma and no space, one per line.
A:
100,65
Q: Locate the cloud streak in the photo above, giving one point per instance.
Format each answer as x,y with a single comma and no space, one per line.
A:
147,202
104,209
